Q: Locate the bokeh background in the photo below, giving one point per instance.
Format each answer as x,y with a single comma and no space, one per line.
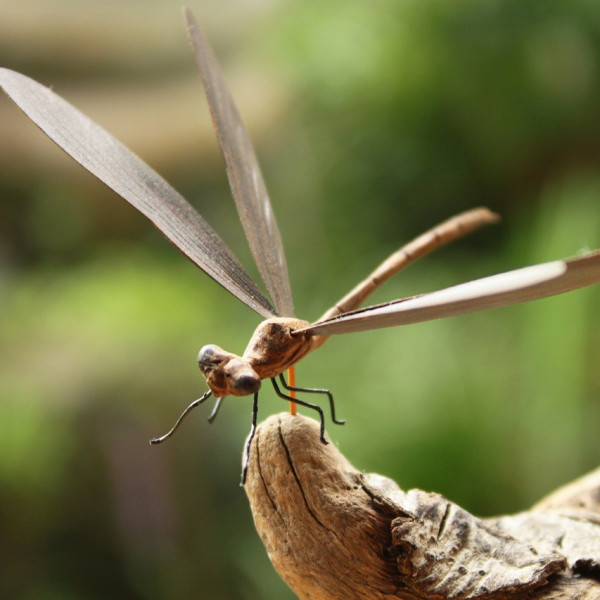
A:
373,121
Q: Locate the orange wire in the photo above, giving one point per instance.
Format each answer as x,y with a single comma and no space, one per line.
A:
292,383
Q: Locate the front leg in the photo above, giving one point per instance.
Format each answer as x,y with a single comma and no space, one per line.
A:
183,415
249,440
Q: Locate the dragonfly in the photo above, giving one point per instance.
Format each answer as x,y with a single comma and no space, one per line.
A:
281,339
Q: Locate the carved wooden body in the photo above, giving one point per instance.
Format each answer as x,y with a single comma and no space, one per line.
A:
272,350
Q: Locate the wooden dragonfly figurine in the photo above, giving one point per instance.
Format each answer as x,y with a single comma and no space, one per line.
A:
280,340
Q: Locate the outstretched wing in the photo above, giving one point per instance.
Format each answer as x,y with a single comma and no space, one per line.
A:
245,178
129,176
513,287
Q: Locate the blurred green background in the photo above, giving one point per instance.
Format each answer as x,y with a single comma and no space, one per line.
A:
373,121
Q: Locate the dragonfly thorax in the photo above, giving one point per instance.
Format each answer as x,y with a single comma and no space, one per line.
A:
277,344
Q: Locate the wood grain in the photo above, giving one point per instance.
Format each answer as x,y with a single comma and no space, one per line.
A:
333,532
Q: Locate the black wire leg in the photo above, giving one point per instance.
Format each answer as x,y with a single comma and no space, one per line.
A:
249,440
314,391
184,414
215,410
303,403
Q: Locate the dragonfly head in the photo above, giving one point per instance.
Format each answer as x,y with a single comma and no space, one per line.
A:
227,374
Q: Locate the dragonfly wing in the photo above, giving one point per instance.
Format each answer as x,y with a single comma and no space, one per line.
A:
513,287
247,183
129,176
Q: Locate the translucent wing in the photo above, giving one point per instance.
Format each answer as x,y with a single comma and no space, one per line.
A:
513,287
125,173
245,178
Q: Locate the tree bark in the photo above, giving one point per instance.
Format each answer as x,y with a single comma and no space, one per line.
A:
333,532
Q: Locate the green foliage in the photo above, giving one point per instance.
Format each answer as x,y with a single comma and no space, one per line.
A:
398,115
441,105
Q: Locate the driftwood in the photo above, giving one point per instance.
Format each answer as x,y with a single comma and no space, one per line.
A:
333,532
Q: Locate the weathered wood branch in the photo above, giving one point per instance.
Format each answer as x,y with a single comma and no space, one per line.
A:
333,532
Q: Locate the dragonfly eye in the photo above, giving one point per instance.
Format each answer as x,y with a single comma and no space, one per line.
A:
248,383
210,355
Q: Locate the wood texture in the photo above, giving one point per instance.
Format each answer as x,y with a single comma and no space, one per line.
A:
333,532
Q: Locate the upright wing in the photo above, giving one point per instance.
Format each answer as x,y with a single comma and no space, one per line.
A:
245,178
513,287
129,176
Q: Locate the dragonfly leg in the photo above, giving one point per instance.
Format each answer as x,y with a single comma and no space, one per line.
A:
184,414
215,410
314,391
249,440
303,403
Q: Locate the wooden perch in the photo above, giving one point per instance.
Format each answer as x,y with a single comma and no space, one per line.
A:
333,532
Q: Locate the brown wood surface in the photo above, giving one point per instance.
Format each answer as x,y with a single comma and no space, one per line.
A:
333,532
